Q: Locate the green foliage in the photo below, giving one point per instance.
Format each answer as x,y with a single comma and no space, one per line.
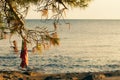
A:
14,12
77,3
71,3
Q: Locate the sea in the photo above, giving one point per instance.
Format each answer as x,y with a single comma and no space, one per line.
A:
86,45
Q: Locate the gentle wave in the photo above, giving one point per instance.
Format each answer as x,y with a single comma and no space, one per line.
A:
89,46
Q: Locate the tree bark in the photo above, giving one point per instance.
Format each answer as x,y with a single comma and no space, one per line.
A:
19,18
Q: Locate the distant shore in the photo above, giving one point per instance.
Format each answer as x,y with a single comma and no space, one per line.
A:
30,75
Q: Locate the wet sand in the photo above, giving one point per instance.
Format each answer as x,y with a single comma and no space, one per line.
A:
30,75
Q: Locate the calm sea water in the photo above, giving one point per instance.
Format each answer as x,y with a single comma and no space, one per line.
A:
88,46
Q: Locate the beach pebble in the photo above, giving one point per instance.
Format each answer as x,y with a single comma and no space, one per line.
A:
1,77
95,77
74,78
53,78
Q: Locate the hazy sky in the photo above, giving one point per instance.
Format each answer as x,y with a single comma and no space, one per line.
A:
98,9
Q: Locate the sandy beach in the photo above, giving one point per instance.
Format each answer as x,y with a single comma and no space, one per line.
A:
31,75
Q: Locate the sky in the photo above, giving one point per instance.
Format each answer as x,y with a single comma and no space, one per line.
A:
97,9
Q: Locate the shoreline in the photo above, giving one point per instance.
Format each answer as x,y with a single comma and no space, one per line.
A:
31,75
